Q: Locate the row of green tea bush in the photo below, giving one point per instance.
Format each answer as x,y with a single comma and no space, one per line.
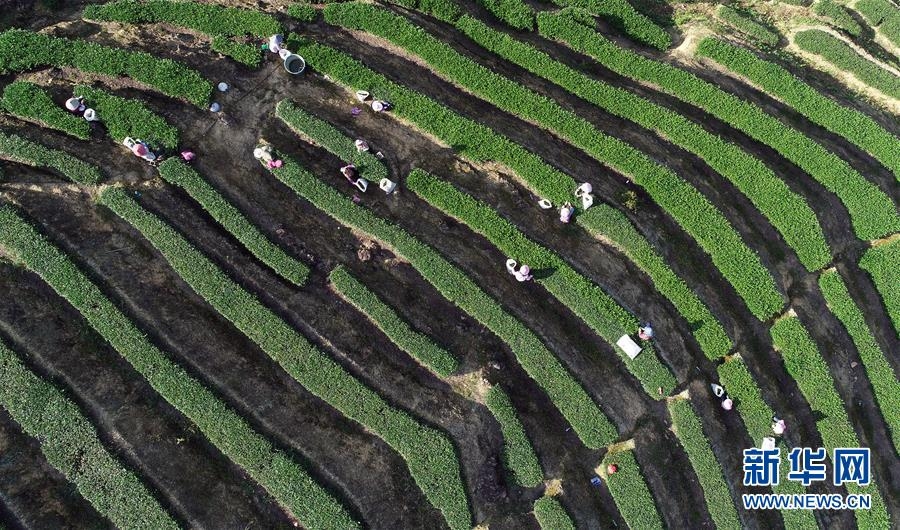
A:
882,262
629,489
31,102
218,22
745,24
129,117
22,50
883,15
686,425
838,15
18,149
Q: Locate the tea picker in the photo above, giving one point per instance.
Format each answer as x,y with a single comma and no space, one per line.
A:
720,393
352,175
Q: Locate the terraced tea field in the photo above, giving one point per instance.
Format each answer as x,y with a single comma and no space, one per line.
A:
233,330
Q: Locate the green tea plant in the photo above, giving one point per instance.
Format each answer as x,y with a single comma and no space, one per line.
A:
878,368
872,213
551,515
840,55
805,364
741,265
515,13
177,173
429,454
851,124
18,149
689,430
323,133
302,12
746,25
883,15
217,22
22,50
625,17
71,445
31,102
278,473
838,16
596,308
786,210
417,345
629,489
882,262
128,117
518,454
586,418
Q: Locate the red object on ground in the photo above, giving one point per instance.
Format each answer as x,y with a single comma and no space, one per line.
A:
612,469
188,155
139,149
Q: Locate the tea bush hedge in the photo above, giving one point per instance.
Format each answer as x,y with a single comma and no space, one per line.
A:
22,50
629,489
621,14
786,210
608,224
18,149
596,308
840,55
416,344
518,454
746,25
805,364
872,213
302,12
567,394
128,117
551,515
882,262
878,368
429,454
516,13
215,21
177,173
274,470
737,262
31,102
689,430
70,444
326,135
883,15
851,124
838,16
